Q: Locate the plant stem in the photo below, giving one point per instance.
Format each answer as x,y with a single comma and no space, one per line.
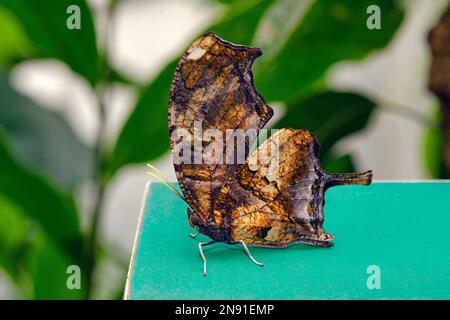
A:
100,159
100,185
409,112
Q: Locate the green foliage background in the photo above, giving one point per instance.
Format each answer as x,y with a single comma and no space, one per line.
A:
42,161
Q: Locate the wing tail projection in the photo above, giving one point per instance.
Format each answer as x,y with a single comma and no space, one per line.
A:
339,179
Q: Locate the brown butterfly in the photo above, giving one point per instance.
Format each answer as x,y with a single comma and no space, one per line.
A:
272,198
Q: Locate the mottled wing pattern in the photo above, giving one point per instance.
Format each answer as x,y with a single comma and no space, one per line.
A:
278,197
212,88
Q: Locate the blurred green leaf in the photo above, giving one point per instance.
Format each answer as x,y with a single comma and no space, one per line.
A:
50,275
240,21
330,31
117,76
14,43
15,239
38,199
7,264
45,25
277,24
12,232
228,2
12,225
329,115
145,134
433,152
335,164
42,139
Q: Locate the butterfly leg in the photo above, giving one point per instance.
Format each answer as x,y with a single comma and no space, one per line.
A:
200,245
194,235
250,255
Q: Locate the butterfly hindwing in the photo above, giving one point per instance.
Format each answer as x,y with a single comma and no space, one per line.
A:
278,197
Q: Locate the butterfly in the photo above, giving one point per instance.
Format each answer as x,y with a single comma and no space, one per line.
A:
271,197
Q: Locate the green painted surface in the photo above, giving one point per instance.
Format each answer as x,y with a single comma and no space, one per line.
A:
401,227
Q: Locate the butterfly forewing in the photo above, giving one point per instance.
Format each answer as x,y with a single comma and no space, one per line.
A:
212,95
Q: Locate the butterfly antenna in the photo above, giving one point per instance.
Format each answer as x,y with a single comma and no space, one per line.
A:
155,173
168,186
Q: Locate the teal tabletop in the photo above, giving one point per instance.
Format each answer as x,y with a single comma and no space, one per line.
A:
391,242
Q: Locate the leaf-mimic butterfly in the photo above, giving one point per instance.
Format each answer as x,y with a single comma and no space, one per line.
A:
272,197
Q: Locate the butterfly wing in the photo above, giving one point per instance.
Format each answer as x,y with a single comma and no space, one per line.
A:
212,91
278,197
